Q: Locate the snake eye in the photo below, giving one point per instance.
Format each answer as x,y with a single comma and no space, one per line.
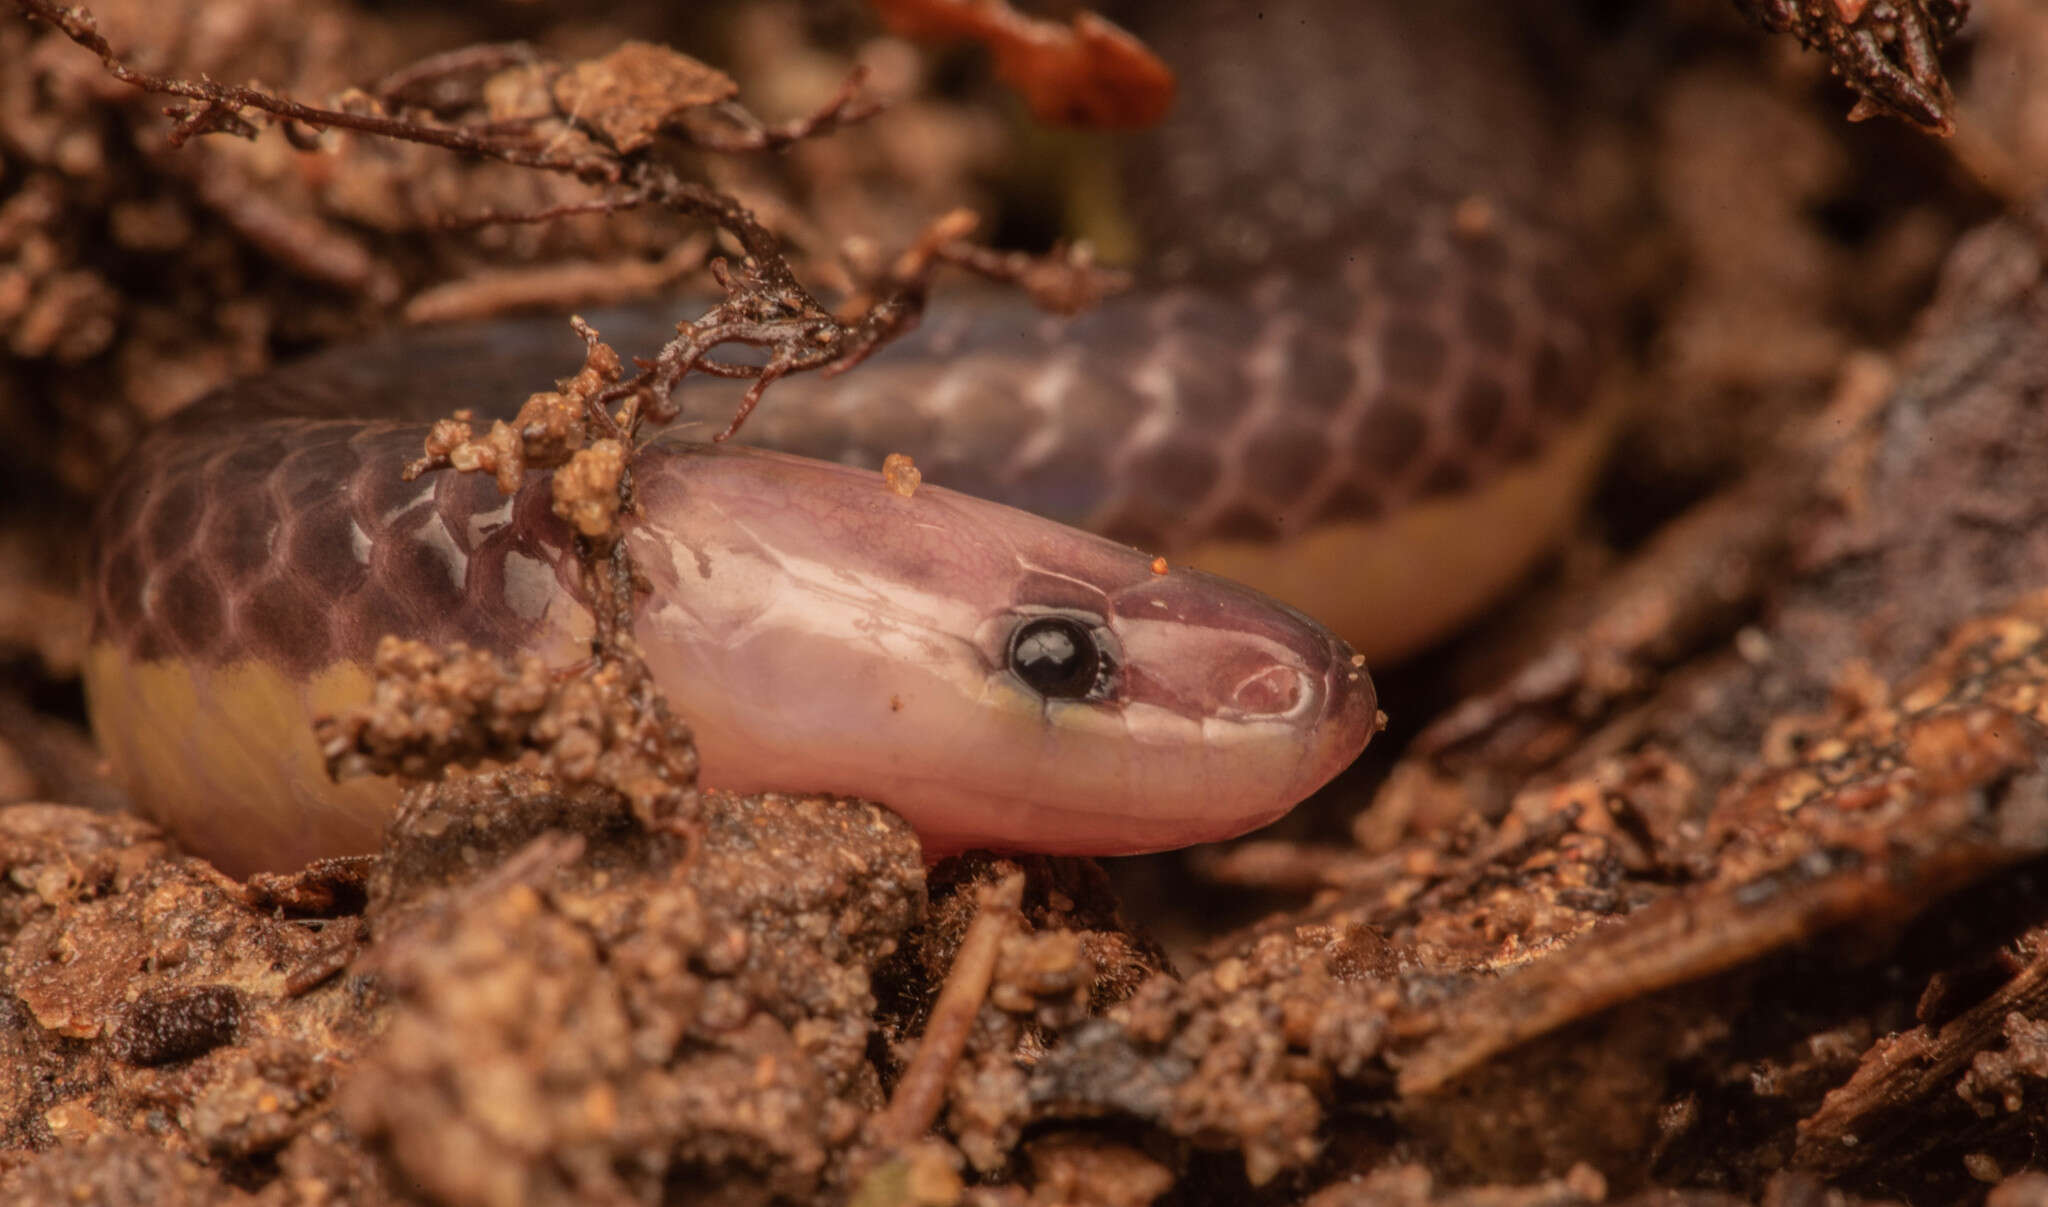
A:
1058,657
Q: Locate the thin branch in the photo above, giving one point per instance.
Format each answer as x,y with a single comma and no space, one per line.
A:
415,83
567,209
846,107
921,1091
220,105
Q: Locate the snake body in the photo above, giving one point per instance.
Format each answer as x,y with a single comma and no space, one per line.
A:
1358,380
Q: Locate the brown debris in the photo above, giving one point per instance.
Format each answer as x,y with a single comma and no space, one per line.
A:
614,1004
1890,802
637,90
115,1169
549,997
1087,1169
1089,73
1753,875
628,96
1238,1056
1550,946
586,489
1698,576
137,978
1402,1185
1888,52
1985,1058
550,430
901,474
1998,1079
431,711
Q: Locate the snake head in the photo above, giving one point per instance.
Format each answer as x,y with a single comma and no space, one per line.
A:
1000,680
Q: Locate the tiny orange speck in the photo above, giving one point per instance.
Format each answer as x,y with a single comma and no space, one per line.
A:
1473,217
1158,565
901,474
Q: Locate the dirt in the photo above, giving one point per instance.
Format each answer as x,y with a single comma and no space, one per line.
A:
1710,869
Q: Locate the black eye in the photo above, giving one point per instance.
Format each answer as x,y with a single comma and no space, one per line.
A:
1057,657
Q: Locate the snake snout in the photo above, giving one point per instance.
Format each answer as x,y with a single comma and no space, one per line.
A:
1209,648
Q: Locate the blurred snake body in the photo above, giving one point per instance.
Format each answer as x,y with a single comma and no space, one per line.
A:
1359,380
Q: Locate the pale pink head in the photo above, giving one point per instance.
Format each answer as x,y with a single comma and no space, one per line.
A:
999,680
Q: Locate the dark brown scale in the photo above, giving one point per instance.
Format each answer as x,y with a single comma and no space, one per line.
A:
1389,438
315,476
1281,464
120,593
420,570
1488,321
1445,478
374,605
190,604
254,454
1521,445
1552,385
1481,406
1318,372
1412,355
322,548
173,516
244,537
458,502
1484,254
1205,394
1408,279
279,621
373,498
299,558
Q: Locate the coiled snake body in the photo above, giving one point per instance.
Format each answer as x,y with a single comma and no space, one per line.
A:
1359,380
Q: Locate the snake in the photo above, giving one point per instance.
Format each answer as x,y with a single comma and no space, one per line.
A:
1356,383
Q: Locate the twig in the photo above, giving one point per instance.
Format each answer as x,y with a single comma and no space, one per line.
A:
220,105
922,1089
1889,53
411,84
847,106
567,209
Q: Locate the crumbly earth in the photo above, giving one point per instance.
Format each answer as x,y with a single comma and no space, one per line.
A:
1718,879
